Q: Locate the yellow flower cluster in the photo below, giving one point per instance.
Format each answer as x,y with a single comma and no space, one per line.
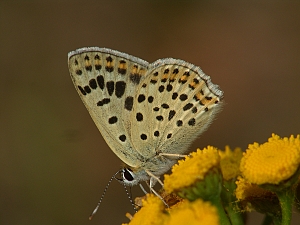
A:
260,179
192,213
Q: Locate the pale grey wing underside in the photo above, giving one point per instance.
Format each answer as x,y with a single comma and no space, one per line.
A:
106,81
144,109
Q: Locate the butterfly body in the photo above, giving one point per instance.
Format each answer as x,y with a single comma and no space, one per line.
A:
144,110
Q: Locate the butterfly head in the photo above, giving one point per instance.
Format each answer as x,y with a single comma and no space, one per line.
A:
131,177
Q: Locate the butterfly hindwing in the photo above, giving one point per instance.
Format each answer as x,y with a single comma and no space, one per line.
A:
180,103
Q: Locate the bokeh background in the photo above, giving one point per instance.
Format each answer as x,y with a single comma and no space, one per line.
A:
54,164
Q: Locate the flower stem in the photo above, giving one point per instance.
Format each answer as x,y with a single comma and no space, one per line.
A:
222,215
235,217
286,199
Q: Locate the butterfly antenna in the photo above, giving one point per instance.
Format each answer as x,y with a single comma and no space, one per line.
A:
130,197
102,196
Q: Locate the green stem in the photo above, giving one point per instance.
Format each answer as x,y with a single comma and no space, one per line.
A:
286,199
230,202
222,215
234,216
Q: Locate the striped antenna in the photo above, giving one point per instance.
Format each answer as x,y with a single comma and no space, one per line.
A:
130,198
104,192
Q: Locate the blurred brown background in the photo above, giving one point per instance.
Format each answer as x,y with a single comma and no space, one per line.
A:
54,163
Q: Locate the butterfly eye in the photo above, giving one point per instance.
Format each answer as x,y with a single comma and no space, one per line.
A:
128,175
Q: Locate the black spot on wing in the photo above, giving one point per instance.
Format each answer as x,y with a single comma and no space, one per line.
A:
160,118
122,138
120,88
122,71
87,89
183,97
110,85
98,67
174,95
78,72
187,106
109,59
112,120
93,83
139,117
81,90
179,123
135,78
129,103
143,137
169,87
141,98
192,122
109,69
161,88
88,68
165,106
150,99
171,114
100,81
156,109
175,71
103,102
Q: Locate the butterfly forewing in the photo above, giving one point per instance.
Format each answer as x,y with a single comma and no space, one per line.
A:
107,81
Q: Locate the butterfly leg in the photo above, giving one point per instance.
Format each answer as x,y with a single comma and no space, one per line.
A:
152,183
154,179
161,198
143,189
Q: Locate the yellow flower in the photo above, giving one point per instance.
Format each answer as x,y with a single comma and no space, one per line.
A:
272,162
230,162
192,169
152,213
197,212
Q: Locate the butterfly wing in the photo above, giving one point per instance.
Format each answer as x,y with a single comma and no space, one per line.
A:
179,103
106,81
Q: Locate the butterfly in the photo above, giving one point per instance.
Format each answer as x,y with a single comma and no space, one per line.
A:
148,113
